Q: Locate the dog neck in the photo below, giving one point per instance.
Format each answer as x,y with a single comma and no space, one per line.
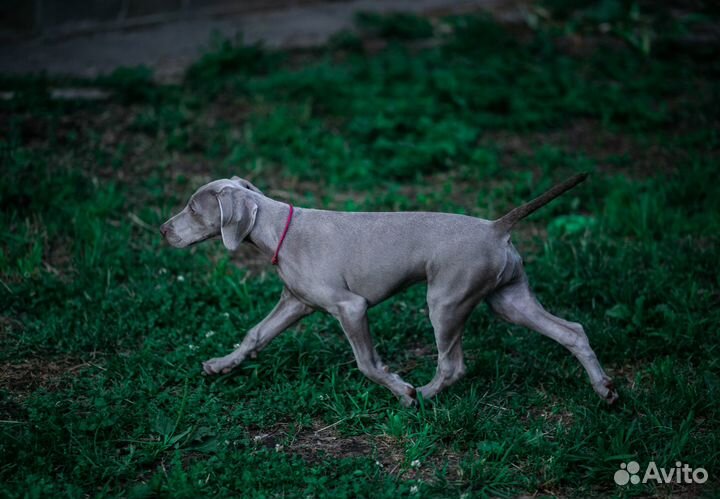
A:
269,223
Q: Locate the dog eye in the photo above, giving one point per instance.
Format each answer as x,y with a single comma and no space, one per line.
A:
192,209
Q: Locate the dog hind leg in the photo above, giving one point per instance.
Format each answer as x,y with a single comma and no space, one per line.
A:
516,303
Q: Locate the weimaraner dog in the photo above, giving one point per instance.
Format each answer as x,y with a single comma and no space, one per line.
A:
344,263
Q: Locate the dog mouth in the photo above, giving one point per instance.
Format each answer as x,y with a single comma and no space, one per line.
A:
173,240
202,240
178,242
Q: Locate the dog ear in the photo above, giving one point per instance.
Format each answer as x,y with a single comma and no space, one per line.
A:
237,217
247,184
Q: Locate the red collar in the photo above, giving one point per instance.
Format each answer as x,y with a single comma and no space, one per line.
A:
282,237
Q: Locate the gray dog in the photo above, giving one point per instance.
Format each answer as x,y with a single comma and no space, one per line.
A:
344,263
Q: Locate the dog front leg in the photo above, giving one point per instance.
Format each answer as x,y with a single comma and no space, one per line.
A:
351,312
287,312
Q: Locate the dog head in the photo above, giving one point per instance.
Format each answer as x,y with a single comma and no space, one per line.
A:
221,208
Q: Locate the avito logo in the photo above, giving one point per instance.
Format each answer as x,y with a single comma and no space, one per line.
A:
681,473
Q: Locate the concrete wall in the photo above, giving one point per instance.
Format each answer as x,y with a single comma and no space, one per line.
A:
57,17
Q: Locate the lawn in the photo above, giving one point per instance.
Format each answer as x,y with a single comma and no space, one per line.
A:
103,326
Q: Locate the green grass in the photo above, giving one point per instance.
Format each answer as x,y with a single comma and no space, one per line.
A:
103,326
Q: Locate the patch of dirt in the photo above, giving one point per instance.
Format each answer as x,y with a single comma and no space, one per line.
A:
229,109
246,257
250,258
549,417
415,354
8,325
579,45
589,138
57,256
323,441
629,373
313,445
28,375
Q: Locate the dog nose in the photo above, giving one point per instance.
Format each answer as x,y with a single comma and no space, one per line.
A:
163,230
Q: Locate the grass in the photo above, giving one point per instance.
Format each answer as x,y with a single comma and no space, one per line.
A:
103,327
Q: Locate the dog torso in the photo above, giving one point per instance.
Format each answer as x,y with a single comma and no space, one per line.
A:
375,254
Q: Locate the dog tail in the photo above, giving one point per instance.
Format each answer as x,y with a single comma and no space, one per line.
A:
506,222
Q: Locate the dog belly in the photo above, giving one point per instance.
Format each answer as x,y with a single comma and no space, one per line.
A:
379,283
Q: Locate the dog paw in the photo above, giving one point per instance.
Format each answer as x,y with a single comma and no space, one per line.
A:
217,366
409,398
606,390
